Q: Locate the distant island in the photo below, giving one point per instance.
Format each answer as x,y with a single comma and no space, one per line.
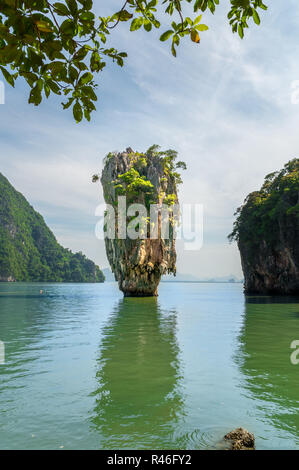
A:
29,251
182,277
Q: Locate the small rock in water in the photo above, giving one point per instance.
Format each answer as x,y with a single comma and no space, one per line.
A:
240,439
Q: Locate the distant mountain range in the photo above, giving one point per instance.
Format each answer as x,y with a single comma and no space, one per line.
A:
29,250
181,277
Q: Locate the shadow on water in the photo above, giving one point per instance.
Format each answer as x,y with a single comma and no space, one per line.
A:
139,399
270,326
261,299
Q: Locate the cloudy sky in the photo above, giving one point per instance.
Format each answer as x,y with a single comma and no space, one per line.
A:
225,105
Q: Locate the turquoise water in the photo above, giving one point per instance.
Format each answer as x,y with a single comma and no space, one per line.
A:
86,369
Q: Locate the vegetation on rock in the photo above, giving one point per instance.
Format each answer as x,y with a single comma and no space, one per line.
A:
29,250
145,178
260,216
267,232
134,181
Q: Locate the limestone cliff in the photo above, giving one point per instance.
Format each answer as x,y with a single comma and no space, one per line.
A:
141,178
267,232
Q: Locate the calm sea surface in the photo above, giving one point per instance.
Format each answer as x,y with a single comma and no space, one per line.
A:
86,369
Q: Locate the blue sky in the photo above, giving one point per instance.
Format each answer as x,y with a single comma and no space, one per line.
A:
225,105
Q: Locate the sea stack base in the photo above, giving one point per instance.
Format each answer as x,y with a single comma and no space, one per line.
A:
140,294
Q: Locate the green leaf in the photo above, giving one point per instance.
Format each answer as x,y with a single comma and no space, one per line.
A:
56,67
73,73
87,114
202,27
8,77
86,16
264,7
72,4
136,24
86,78
68,103
166,35
197,5
47,90
123,15
87,4
81,53
173,51
35,96
88,90
147,26
30,78
152,4
68,27
77,111
61,9
54,87
197,20
256,17
95,62
241,31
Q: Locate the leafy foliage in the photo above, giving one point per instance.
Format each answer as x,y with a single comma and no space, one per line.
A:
170,199
265,212
167,159
135,181
58,47
29,250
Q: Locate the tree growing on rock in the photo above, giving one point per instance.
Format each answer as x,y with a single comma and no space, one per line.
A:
139,250
267,232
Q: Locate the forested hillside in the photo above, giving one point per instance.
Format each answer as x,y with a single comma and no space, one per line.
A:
29,250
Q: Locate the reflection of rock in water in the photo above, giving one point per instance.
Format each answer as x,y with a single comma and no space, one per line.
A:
138,400
270,325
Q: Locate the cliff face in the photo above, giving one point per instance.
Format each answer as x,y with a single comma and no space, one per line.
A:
29,250
267,232
146,179
272,270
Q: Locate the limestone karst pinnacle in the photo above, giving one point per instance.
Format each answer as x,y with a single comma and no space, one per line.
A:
143,178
